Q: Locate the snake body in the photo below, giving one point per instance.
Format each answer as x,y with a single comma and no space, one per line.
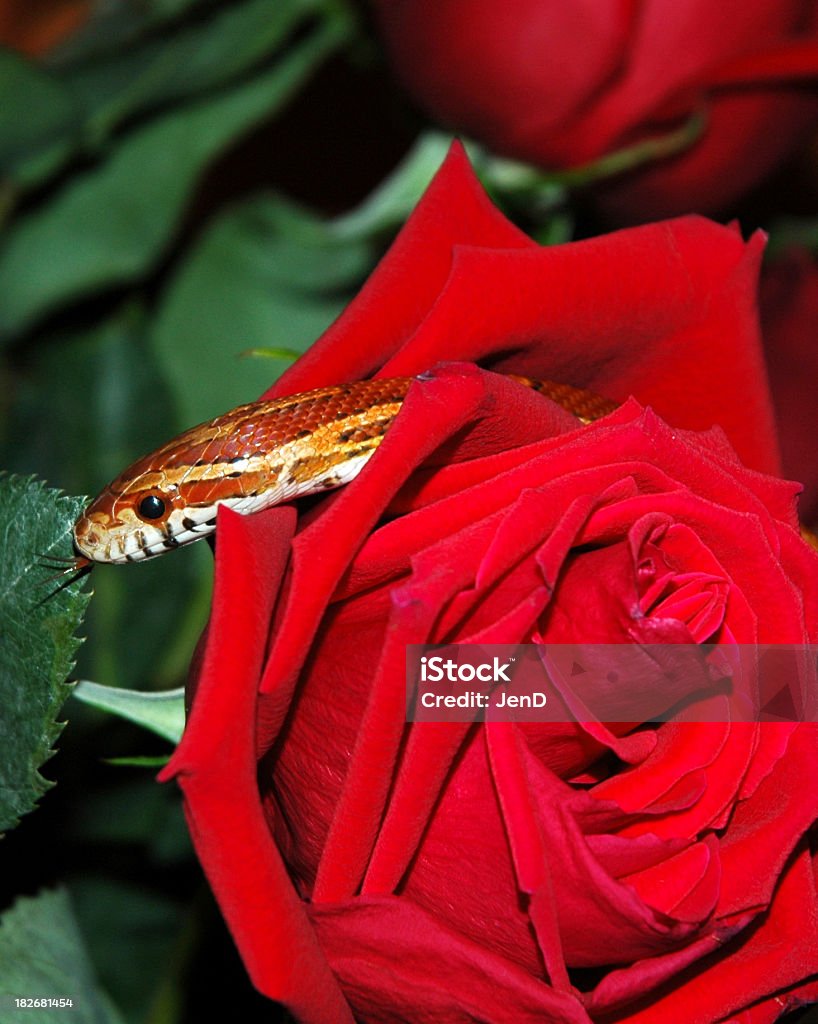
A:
253,457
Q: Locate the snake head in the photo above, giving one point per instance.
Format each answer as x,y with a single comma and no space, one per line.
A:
124,527
147,511
170,497
115,527
136,517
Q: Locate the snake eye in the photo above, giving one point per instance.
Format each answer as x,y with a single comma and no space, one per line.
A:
151,507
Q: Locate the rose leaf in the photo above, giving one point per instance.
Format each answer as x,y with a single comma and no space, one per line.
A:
37,642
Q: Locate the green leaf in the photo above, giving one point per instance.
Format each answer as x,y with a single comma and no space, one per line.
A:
86,403
513,184
395,198
131,62
136,938
43,954
162,713
39,119
267,275
38,645
182,61
108,225
118,26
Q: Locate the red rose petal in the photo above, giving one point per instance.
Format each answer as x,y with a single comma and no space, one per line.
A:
382,948
216,769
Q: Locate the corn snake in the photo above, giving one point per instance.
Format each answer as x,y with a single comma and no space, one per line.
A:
253,457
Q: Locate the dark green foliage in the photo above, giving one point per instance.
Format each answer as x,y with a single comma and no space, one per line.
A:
37,642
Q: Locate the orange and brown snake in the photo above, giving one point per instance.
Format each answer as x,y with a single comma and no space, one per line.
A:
253,457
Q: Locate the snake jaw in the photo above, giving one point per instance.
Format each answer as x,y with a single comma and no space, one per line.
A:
77,563
70,570
80,565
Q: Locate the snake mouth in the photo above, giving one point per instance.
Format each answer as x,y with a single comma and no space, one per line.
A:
80,563
69,570
98,540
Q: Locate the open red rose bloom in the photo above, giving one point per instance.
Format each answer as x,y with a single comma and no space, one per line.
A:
374,870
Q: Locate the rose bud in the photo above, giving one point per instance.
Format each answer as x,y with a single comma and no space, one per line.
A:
562,85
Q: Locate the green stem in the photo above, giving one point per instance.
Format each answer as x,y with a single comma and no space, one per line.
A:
657,148
546,191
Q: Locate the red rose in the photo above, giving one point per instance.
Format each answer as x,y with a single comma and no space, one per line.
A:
789,307
507,872
562,84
